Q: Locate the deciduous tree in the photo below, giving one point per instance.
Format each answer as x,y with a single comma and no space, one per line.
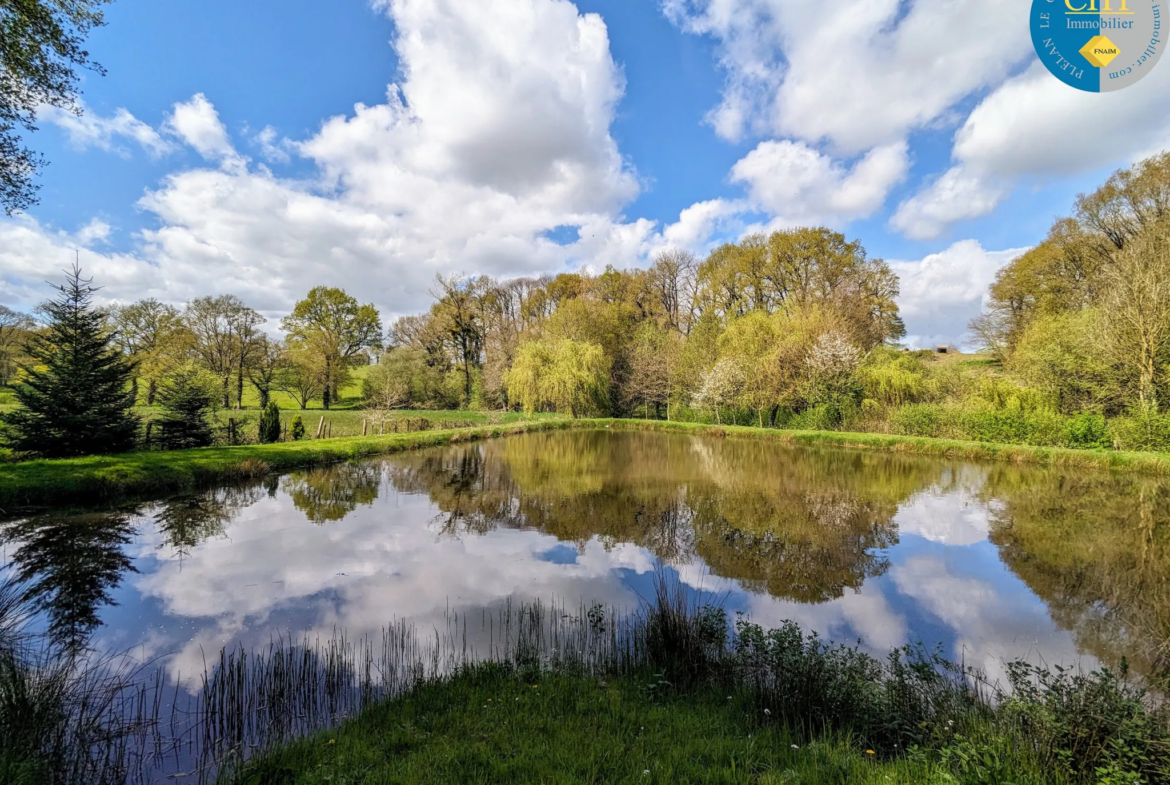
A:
153,336
14,334
1137,311
41,48
221,329
566,375
331,326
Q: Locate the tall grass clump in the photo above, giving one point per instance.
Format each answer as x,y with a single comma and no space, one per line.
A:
684,638
66,717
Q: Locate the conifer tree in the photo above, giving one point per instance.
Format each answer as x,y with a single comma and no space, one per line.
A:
187,397
75,398
270,424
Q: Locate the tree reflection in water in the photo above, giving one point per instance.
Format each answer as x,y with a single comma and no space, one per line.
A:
68,566
804,525
799,524
328,495
1096,548
187,521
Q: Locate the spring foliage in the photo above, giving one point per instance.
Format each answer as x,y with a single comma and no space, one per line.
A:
565,375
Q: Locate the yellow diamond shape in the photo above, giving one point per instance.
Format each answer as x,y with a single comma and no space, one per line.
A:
1100,51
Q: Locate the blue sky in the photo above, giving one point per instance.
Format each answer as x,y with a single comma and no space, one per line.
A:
531,136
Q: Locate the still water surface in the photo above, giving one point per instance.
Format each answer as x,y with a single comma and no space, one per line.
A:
988,562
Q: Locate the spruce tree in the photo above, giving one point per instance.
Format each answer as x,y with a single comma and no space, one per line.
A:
75,398
187,400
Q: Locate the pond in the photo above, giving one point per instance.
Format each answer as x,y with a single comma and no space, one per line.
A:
987,562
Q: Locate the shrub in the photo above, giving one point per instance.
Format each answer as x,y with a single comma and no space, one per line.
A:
822,417
1143,431
917,420
1096,727
894,378
1014,426
1002,393
1060,355
1087,432
270,424
297,428
807,682
386,388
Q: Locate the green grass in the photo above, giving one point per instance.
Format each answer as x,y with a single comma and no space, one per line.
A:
342,423
349,396
490,725
1147,462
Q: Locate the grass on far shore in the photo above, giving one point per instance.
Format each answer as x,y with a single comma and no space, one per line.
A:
103,477
492,725
1146,462
96,478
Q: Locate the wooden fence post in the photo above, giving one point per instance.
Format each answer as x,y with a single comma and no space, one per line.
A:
321,428
365,427
329,430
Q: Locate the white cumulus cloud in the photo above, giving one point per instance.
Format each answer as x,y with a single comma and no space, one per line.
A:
859,73
799,185
497,133
942,292
1033,129
957,195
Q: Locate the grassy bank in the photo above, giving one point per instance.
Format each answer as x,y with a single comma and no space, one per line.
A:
1148,462
95,478
42,482
491,724
668,693
678,697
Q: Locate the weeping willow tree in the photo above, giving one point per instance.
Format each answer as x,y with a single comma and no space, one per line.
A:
565,376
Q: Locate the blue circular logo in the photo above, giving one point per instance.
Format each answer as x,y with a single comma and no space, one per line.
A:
1099,45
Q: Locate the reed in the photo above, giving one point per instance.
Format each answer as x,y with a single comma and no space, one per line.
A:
67,716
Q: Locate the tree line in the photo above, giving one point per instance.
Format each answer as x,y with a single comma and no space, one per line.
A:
328,334
1084,317
796,328
771,321
78,374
